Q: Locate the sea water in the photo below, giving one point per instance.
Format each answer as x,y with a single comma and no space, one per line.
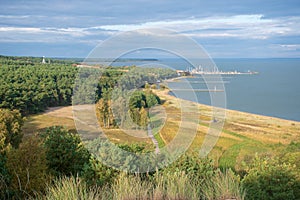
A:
274,91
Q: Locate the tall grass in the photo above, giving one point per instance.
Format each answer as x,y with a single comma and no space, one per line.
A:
72,188
223,186
177,185
163,185
131,187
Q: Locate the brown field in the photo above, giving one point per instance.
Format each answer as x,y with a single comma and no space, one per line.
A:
63,116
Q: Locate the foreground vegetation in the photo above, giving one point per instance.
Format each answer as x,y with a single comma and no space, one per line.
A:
56,165
51,162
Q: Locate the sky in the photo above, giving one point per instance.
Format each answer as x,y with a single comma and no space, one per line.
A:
225,29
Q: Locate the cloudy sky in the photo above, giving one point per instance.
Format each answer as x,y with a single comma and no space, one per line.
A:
225,28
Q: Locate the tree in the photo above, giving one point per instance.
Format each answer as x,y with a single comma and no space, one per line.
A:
97,173
137,100
152,99
143,117
65,152
104,113
27,168
10,128
138,104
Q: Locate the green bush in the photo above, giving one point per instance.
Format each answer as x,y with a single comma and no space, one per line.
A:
196,167
65,152
97,174
27,168
271,179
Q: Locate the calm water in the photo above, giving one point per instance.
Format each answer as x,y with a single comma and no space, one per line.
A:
275,91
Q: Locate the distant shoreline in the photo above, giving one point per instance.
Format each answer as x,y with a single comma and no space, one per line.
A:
178,79
167,93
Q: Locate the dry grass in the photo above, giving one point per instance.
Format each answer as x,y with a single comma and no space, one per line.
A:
256,127
55,116
63,116
242,134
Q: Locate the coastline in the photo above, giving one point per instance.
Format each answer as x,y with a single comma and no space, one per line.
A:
167,91
270,129
247,98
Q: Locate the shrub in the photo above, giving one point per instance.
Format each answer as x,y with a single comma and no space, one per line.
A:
27,167
196,167
65,152
271,179
97,174
113,156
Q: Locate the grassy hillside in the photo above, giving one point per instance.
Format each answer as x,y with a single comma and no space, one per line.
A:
242,137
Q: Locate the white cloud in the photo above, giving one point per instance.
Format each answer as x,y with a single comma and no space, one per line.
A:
241,26
20,29
236,26
14,16
290,47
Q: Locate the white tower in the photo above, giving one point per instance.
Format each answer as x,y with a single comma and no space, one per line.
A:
43,61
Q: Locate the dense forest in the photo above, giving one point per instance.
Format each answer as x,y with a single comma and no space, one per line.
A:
56,164
30,87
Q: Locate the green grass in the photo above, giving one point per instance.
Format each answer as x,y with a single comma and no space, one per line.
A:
160,141
229,157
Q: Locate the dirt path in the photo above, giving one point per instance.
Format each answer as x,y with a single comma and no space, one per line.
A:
150,134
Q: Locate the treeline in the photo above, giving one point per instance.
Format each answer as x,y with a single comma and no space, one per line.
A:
27,60
55,164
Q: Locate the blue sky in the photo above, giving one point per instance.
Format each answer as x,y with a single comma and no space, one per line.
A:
230,29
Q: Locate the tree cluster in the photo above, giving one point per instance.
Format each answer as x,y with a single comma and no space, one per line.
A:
125,97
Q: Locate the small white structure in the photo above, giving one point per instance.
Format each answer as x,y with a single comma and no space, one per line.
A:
43,61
